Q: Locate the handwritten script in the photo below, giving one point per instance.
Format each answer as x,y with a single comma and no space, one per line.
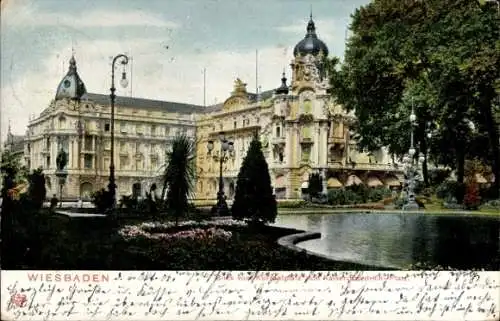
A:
241,295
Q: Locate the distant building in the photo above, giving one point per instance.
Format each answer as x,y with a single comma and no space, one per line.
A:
15,145
301,128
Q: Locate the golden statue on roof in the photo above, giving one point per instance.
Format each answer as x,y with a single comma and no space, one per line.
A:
239,87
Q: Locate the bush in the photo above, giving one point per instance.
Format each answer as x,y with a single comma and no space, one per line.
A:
36,190
447,189
357,195
361,191
292,204
471,197
378,194
438,176
344,197
491,205
488,193
254,200
102,200
315,185
128,201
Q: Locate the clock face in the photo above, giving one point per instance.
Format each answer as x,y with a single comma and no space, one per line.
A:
67,83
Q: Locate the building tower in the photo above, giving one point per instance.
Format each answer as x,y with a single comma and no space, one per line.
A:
307,125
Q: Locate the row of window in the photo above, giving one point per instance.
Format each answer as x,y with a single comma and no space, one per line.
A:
124,127
124,163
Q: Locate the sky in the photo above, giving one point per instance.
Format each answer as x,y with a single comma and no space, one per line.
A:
171,42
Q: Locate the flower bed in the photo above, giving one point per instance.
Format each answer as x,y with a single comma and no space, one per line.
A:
166,230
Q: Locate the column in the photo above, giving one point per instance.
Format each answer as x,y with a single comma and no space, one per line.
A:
288,146
296,157
324,145
288,192
323,175
317,145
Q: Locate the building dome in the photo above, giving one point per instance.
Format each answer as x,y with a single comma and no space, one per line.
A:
71,86
310,44
283,89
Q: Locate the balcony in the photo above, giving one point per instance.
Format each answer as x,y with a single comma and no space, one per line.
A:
335,164
278,140
336,140
306,140
377,166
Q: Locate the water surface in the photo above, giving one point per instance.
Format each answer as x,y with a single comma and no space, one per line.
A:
400,239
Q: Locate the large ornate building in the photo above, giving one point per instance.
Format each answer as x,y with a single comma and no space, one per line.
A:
301,128
79,123
302,131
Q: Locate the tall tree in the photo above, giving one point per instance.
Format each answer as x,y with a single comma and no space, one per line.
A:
180,175
254,200
440,55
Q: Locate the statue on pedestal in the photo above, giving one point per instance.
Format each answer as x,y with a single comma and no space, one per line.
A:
61,160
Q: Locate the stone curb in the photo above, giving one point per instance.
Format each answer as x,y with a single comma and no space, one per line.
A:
289,242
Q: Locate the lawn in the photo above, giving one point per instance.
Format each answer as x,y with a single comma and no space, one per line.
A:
53,241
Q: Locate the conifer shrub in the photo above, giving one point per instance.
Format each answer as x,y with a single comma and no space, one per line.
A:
254,201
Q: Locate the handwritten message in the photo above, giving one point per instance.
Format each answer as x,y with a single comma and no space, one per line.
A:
223,295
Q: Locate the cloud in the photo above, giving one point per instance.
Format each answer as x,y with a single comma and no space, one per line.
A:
24,15
156,74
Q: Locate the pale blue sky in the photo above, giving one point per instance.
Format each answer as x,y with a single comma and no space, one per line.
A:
221,36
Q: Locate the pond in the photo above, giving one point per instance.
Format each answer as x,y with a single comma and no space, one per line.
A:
398,240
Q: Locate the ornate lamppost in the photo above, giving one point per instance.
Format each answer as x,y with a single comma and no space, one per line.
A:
61,173
411,168
123,83
226,151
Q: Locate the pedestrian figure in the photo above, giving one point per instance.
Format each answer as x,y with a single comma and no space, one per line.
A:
53,202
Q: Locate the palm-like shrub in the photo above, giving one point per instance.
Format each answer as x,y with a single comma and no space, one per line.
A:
179,176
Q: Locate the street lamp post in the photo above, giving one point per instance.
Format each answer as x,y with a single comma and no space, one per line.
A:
411,168
226,151
123,83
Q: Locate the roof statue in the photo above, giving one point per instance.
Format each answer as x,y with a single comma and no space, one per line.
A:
239,87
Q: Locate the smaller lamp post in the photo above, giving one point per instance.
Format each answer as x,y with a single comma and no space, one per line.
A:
226,152
61,173
408,159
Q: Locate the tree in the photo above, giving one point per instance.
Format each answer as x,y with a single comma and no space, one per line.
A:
37,191
180,175
440,56
315,185
254,200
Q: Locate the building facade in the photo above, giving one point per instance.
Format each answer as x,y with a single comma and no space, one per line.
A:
79,123
302,131
301,128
